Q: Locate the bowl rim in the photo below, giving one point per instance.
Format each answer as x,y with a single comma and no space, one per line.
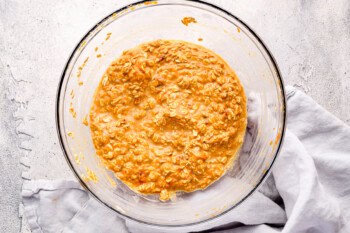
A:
60,92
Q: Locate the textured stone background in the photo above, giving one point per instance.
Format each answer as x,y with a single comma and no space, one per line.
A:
310,40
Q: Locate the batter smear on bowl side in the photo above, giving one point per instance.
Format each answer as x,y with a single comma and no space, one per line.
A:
168,116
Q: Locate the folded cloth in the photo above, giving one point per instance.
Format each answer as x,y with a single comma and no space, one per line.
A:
307,191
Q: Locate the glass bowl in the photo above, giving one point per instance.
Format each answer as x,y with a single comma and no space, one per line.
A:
221,32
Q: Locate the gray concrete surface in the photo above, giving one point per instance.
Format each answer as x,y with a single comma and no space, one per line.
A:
310,40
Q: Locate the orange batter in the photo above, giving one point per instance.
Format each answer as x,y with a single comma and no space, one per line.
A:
168,116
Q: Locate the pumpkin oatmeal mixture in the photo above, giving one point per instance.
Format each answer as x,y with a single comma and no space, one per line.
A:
168,116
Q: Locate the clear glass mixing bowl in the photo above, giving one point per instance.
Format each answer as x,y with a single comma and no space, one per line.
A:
221,32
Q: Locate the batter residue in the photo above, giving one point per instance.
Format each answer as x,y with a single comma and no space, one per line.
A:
168,116
187,20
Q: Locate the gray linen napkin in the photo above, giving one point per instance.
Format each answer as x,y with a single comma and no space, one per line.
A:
308,190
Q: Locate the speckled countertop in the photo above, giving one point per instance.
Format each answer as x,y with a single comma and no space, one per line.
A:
309,39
